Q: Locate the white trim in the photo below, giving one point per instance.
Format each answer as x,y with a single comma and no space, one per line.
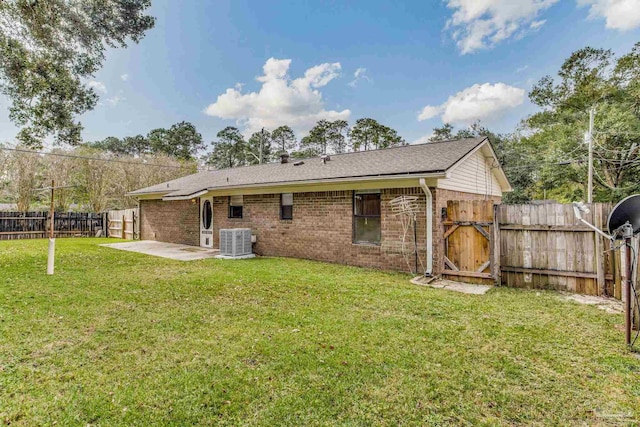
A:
188,197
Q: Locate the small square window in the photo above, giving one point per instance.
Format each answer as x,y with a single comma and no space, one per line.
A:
235,206
286,206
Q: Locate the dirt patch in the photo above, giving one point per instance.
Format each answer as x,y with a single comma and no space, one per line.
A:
610,305
450,285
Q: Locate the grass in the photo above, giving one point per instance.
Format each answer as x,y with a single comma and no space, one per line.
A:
118,338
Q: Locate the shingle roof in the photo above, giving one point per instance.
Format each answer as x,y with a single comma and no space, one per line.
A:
419,158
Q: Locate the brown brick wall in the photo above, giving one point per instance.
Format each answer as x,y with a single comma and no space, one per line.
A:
321,228
173,222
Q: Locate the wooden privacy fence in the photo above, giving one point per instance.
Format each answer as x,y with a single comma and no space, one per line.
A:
531,245
124,224
543,246
35,225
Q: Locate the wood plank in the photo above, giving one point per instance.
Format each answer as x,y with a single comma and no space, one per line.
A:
496,247
574,274
467,274
450,231
482,231
542,227
483,267
468,223
450,264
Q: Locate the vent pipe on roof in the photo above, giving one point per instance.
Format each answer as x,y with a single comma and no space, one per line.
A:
284,157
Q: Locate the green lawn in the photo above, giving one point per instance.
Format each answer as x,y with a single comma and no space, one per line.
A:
117,338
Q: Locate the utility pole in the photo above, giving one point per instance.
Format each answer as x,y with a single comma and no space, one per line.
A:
589,138
52,240
261,144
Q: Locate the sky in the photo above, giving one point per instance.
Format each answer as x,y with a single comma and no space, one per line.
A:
411,65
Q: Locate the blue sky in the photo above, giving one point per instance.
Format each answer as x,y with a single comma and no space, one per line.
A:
205,61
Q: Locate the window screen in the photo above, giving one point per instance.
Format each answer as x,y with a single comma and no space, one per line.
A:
366,217
235,206
286,206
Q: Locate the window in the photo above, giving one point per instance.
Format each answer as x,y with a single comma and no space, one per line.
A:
286,206
235,206
366,217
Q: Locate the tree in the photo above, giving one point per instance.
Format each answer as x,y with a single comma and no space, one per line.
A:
325,135
49,48
258,148
60,169
23,175
136,145
93,179
369,134
337,136
445,133
317,141
284,138
111,144
181,141
589,78
228,150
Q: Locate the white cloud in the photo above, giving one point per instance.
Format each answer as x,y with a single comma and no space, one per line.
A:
537,24
480,101
422,139
429,112
114,100
619,14
124,77
97,86
480,24
360,74
521,69
280,100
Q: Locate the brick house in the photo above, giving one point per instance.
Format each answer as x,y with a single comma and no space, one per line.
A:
334,209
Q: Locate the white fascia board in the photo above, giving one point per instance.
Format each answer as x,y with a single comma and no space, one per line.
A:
370,178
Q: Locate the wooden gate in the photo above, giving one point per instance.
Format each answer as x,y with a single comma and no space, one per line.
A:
469,241
123,224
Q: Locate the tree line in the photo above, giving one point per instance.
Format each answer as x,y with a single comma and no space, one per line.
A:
97,179
231,149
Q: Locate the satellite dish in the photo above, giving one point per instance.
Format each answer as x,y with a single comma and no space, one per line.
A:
627,210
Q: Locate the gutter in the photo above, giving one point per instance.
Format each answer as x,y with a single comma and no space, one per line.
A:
187,197
429,206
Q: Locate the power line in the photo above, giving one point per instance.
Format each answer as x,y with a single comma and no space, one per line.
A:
76,156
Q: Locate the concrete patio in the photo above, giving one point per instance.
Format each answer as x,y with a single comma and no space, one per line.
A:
165,250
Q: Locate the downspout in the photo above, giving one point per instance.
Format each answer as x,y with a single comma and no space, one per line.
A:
429,206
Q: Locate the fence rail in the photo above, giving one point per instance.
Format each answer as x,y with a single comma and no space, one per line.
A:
35,225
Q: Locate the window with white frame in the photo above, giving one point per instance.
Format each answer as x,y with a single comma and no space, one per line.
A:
286,206
235,206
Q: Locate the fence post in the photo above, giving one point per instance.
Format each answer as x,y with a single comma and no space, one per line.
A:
495,262
599,255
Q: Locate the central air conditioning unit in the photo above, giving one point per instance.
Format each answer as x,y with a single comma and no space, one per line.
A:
235,243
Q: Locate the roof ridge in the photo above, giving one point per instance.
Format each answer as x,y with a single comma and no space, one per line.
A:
480,138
